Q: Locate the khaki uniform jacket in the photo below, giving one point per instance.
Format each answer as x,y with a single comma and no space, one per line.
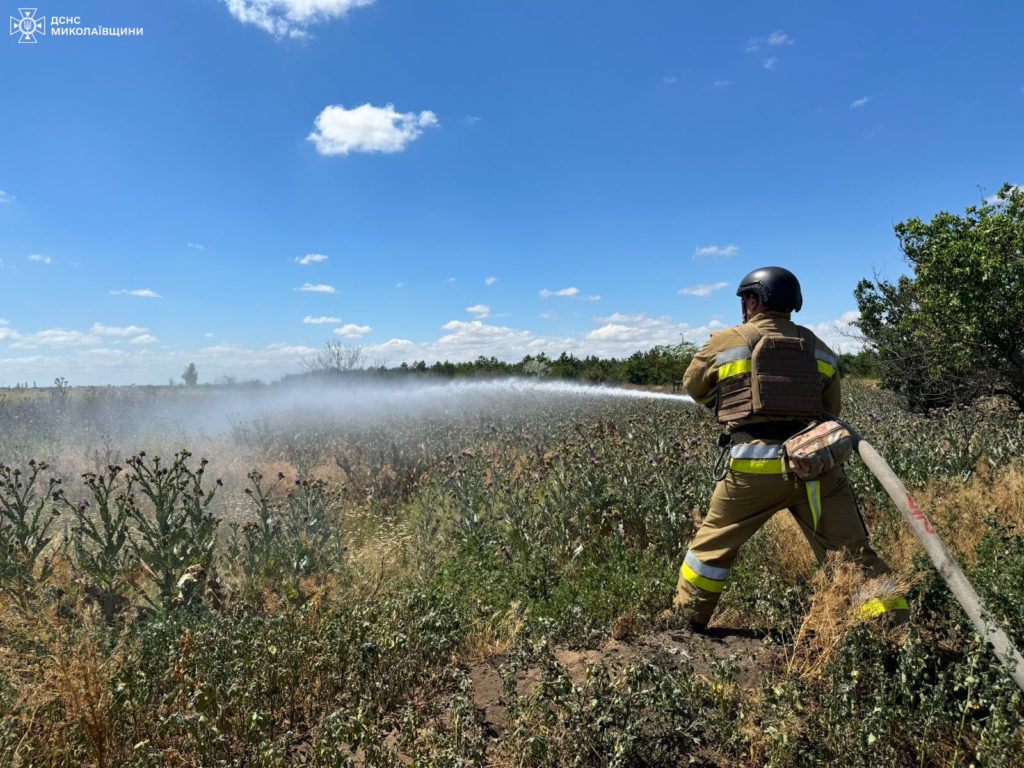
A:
701,377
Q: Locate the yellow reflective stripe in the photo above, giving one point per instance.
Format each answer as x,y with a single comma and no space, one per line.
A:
814,499
734,368
826,369
707,399
877,605
701,582
758,466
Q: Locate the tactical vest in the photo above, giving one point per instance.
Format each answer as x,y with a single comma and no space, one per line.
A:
770,376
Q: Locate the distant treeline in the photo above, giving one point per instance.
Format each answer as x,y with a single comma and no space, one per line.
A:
661,365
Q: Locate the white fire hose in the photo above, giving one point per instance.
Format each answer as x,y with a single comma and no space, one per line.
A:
947,567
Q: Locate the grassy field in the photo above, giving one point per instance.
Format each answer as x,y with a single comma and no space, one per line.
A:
474,576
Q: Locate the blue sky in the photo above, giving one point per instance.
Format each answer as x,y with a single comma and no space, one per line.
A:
434,180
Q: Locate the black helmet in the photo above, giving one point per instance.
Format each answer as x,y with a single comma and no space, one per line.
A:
775,287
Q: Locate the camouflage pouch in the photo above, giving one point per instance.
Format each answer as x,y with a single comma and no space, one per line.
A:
814,451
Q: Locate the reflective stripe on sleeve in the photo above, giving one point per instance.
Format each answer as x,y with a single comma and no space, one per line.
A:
826,362
814,499
734,368
733,361
703,576
877,605
709,397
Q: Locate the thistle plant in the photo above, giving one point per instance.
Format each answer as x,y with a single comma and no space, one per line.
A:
27,516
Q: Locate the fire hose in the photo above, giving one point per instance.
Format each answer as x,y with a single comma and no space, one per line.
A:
958,584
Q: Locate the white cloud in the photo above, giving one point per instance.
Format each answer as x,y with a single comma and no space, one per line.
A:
39,257
840,334
450,280
319,288
197,246
624,334
770,63
670,79
480,310
548,316
6,197
471,120
352,331
111,330
399,285
860,102
290,18
571,291
778,37
704,289
618,317
146,293
721,83
310,320
995,199
144,339
716,250
56,337
490,280
367,129
594,297
310,258
772,40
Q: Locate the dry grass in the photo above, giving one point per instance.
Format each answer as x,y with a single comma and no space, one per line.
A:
839,591
65,690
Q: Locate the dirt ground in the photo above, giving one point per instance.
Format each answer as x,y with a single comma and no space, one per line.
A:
745,649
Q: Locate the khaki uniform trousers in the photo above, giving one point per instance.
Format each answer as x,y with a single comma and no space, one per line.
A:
825,510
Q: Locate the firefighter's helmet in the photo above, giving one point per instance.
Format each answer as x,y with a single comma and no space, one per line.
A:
775,287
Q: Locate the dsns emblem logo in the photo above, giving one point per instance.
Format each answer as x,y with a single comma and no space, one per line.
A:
27,25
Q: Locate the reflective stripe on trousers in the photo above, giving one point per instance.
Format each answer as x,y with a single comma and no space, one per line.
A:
703,576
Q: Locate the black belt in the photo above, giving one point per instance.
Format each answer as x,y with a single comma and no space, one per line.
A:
766,430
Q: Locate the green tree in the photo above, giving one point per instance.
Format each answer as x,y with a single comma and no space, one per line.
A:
954,331
190,375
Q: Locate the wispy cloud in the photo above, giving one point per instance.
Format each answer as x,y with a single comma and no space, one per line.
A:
40,258
144,339
352,331
770,63
471,120
197,246
860,102
290,18
480,310
145,293
113,330
318,288
6,197
310,258
721,83
772,40
571,291
367,128
704,289
310,320
670,79
490,280
716,250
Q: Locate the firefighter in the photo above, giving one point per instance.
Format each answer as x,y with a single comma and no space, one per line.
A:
766,380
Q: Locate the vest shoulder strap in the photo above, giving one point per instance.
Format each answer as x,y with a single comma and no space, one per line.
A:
749,333
810,342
